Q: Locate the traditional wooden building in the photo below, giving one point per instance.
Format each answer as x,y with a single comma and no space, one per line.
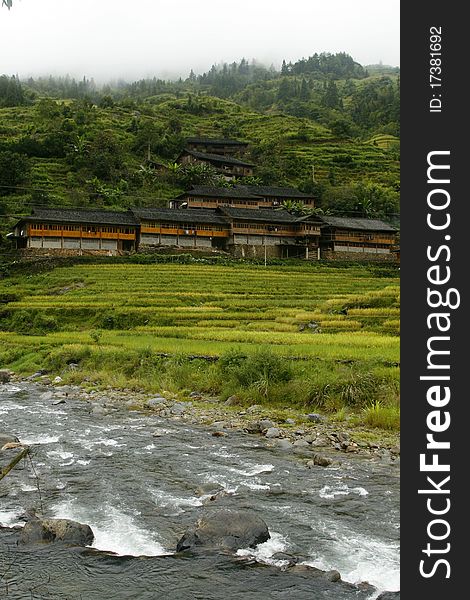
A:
189,228
274,233
349,238
209,197
249,232
222,146
77,231
276,196
227,166
241,196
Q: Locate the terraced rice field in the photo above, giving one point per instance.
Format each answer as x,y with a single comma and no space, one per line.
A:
308,311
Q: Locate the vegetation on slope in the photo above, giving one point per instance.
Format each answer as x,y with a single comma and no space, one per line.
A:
321,124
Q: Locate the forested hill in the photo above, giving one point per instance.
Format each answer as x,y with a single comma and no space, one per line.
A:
324,124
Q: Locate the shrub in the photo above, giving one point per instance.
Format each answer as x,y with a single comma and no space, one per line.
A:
385,417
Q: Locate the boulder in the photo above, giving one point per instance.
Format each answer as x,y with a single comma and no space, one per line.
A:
58,401
301,444
283,444
273,432
314,417
389,596
333,576
6,438
319,461
231,401
46,531
178,409
4,376
225,529
265,424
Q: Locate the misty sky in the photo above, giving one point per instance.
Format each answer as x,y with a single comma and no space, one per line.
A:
107,39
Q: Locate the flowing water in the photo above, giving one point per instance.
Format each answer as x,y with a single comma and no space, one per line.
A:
139,481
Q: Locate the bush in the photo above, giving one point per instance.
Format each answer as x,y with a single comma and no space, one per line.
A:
385,417
259,370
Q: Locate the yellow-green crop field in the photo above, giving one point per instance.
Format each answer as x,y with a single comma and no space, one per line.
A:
343,318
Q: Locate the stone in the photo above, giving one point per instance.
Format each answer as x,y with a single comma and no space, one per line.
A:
6,438
333,576
39,373
320,441
395,450
254,408
57,379
273,432
47,395
319,461
283,444
291,560
99,410
156,402
58,401
314,417
389,596
231,401
178,409
343,437
253,427
290,421
265,424
5,376
12,446
46,531
219,434
301,444
195,395
225,529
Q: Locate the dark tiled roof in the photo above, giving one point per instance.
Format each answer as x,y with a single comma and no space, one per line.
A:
217,158
350,223
220,192
77,215
281,192
195,215
265,215
221,141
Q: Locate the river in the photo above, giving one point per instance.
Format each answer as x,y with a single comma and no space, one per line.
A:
139,480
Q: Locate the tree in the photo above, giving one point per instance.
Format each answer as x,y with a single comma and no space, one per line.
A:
14,170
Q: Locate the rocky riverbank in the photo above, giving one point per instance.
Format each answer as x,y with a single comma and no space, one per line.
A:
316,438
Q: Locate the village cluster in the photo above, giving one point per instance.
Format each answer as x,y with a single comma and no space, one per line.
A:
245,220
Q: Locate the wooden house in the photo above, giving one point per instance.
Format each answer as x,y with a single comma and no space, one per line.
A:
227,166
189,228
214,197
223,146
276,233
59,230
241,196
350,238
276,196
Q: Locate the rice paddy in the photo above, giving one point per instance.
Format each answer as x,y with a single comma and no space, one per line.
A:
333,325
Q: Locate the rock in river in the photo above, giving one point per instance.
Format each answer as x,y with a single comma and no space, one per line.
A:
389,596
6,438
39,531
4,376
225,529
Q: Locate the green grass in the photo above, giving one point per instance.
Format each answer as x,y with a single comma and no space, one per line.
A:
142,325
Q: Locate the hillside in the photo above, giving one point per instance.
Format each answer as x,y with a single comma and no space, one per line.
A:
91,149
